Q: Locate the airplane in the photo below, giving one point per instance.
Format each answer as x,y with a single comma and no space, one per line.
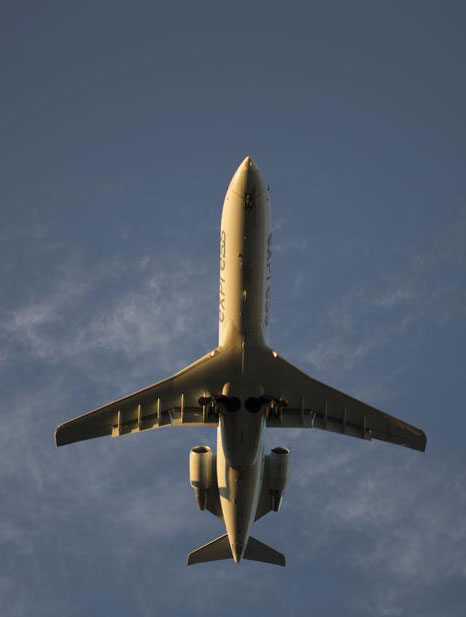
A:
241,387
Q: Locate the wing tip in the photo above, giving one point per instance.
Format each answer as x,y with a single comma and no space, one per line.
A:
423,443
60,436
57,437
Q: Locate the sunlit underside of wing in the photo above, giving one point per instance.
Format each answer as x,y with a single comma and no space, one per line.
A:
312,404
171,402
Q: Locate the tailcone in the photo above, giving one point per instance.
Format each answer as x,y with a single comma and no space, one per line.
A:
237,551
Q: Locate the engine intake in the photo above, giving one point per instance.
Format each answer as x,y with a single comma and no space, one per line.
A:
278,475
200,473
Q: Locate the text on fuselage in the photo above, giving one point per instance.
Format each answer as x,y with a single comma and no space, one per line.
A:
268,277
221,306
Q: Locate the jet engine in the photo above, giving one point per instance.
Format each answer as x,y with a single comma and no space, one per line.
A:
201,463
278,474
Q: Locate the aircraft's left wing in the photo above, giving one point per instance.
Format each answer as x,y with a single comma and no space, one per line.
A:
308,403
171,402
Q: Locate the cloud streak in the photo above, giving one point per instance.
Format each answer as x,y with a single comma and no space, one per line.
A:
396,518
377,317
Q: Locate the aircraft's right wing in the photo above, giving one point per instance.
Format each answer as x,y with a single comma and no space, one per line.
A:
313,404
171,402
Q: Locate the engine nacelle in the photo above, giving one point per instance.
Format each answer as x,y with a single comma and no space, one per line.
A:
200,473
278,475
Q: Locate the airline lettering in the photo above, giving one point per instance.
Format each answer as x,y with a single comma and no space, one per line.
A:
268,265
268,276
221,307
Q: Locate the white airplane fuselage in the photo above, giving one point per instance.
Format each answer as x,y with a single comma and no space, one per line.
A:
244,296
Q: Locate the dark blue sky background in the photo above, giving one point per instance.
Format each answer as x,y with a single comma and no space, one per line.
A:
121,125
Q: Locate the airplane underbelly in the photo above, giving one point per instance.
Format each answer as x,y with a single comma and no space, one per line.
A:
239,491
244,259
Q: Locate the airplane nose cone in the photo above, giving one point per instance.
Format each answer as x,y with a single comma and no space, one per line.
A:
248,163
248,167
247,179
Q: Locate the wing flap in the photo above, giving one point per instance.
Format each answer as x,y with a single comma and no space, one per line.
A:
313,404
171,402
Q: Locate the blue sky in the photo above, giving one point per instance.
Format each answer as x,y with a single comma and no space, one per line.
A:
121,126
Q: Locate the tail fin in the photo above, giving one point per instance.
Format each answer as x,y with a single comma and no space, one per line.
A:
220,549
257,551
213,551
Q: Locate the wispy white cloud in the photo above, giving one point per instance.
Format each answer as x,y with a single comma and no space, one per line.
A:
13,533
280,246
367,318
49,496
376,314
397,519
162,304
385,603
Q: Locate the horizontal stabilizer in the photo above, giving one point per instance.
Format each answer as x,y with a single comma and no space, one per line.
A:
257,551
213,551
220,549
